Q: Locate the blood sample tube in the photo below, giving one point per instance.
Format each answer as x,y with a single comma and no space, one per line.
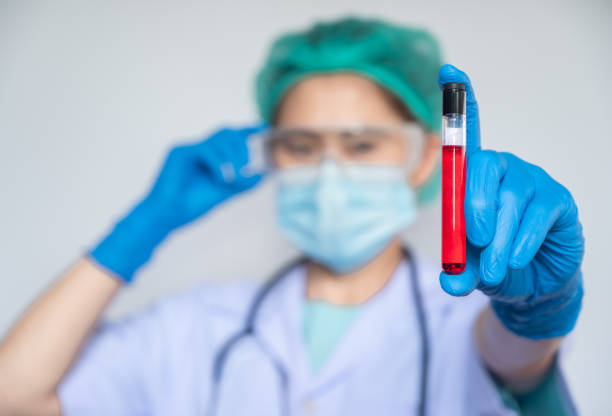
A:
453,177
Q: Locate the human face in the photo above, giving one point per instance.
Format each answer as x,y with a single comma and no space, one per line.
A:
316,107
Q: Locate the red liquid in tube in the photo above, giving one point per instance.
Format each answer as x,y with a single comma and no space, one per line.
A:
453,218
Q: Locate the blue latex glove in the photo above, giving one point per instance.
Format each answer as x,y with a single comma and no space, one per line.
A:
525,242
193,179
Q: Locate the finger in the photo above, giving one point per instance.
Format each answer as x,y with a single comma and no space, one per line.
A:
540,216
484,174
515,192
255,128
459,284
224,153
240,153
220,136
235,154
450,73
240,147
517,283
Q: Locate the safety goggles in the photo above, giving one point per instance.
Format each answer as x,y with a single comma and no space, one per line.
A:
377,144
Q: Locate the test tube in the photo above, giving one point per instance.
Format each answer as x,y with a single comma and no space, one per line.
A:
453,177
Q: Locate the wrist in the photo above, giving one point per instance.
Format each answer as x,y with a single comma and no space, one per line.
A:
516,361
546,316
132,241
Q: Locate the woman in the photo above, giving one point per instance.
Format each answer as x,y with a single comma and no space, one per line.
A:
359,325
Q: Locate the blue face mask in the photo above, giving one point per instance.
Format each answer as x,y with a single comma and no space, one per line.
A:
344,216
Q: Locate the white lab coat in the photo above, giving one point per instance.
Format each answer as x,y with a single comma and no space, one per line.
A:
159,362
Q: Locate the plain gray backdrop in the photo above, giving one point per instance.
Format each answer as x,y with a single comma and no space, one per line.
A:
93,93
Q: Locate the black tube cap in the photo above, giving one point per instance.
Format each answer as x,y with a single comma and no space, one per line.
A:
453,98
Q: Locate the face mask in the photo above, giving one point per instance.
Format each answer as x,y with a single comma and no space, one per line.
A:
344,216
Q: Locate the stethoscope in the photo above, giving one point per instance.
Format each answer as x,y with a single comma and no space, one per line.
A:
249,329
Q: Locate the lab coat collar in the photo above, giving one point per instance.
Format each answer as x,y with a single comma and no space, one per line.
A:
389,313
278,325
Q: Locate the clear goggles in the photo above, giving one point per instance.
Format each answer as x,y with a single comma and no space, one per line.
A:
380,144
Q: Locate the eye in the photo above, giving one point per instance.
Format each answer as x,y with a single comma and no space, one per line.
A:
362,146
362,143
299,148
296,144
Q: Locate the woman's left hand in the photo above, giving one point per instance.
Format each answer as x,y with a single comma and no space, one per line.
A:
525,242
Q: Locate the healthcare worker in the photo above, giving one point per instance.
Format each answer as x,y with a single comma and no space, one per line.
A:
361,325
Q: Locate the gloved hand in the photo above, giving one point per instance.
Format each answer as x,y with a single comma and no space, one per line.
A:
525,242
193,179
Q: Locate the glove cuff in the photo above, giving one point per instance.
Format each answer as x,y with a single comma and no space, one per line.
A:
548,316
131,242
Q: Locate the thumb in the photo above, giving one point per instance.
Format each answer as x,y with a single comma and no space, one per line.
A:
459,284
450,73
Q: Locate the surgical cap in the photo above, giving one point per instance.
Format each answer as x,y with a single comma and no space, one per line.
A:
404,60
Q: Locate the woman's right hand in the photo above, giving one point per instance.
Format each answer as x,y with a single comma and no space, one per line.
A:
197,177
193,179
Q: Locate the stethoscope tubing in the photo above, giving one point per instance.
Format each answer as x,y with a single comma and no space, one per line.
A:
248,330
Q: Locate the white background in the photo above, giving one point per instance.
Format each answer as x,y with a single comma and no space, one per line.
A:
93,93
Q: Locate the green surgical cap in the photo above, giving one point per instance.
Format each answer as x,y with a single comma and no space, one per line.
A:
404,60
